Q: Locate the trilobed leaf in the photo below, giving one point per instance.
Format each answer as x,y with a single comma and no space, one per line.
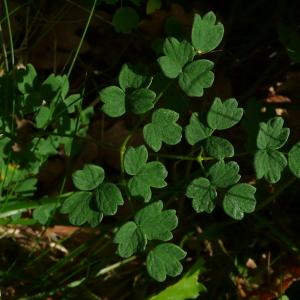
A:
272,135
164,260
155,222
223,115
196,76
203,194
163,128
89,177
269,164
206,33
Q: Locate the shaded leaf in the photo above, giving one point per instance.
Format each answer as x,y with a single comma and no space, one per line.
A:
77,206
130,239
294,160
125,19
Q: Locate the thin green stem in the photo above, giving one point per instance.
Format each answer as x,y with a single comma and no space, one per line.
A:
115,266
82,38
9,33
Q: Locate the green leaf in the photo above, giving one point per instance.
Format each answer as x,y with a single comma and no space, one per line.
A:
239,199
164,260
177,54
130,239
26,79
224,174
294,160
196,76
141,100
155,223
223,115
108,198
125,19
130,77
196,131
27,186
153,174
88,178
78,208
163,128
203,195
43,117
152,6
269,164
187,287
272,135
135,159
114,101
43,212
206,34
218,147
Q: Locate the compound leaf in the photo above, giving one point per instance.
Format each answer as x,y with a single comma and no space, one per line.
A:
224,174
140,100
196,131
196,76
164,260
135,159
155,223
130,239
163,128
269,164
239,199
129,77
78,208
272,135
108,198
206,34
223,115
153,174
294,160
88,178
203,195
218,147
177,54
